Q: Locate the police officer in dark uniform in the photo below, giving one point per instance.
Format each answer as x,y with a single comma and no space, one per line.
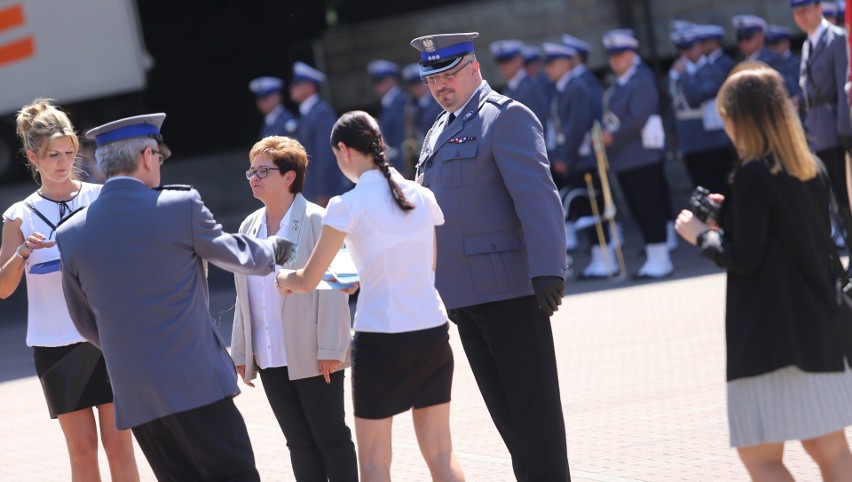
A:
323,179
525,89
778,41
277,119
384,75
501,262
694,82
633,135
823,77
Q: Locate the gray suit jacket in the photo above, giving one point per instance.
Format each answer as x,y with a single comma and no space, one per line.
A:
134,281
822,77
316,325
504,221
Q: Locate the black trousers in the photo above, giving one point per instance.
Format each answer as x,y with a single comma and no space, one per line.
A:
509,344
645,193
711,169
207,443
835,163
311,416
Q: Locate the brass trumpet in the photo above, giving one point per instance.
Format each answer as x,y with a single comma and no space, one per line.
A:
609,210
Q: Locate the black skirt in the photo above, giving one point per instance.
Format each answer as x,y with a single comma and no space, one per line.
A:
393,372
73,377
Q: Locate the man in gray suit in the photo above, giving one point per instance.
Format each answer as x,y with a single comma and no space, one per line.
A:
823,75
501,252
133,275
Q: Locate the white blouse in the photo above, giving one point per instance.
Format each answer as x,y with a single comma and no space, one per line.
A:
48,321
393,251
267,327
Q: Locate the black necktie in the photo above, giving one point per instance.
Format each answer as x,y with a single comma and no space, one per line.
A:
451,119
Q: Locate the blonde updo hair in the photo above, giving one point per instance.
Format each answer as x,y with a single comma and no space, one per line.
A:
38,124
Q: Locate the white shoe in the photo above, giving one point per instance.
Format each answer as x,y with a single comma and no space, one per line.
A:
603,264
570,236
658,264
671,236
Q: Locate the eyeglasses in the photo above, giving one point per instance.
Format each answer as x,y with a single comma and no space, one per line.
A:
260,172
154,151
446,78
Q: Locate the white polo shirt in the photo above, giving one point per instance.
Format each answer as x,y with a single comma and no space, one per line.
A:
392,250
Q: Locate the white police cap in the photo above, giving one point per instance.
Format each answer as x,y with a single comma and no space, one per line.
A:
748,24
684,38
705,32
442,52
303,72
506,49
619,40
678,24
266,85
411,73
777,33
829,9
145,126
579,45
531,53
554,51
379,69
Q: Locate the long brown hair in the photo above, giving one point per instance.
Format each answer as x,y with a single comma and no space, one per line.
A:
754,101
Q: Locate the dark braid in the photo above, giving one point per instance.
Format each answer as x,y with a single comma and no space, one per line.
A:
359,131
378,153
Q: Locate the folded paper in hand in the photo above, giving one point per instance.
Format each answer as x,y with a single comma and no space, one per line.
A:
341,274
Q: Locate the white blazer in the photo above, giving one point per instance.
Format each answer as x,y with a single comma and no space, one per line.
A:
317,325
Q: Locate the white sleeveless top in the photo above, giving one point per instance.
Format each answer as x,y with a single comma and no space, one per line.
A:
48,321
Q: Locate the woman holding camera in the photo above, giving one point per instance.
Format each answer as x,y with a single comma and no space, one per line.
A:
789,342
72,371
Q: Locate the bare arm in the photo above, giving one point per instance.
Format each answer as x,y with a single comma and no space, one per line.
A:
307,278
11,265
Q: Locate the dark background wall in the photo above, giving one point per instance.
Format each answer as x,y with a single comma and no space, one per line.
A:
206,52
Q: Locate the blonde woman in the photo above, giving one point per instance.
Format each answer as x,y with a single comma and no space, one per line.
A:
788,342
71,370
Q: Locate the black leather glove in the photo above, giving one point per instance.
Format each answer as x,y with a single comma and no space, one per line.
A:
846,142
284,249
548,291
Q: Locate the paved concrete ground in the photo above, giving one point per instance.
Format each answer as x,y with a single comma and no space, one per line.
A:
641,375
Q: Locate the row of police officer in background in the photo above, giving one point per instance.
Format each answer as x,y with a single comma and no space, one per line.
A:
567,98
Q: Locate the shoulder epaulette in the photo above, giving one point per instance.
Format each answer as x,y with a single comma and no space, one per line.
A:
498,99
173,187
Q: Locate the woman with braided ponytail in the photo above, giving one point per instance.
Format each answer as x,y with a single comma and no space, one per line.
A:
401,357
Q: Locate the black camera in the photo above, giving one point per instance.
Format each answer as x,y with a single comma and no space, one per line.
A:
702,206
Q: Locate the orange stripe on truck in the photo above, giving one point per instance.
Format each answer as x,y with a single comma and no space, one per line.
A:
11,17
16,51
